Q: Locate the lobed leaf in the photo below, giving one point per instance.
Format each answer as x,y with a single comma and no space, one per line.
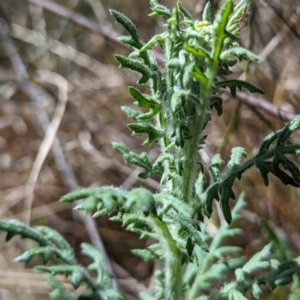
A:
158,39
146,128
77,276
98,265
237,154
214,167
137,66
240,52
233,84
131,157
197,52
130,27
45,252
159,10
217,103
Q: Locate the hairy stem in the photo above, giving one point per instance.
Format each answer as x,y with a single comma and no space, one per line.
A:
172,259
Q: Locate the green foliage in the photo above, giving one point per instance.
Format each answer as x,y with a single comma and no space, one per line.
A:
179,102
52,244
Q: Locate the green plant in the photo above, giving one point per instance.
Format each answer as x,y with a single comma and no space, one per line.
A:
182,94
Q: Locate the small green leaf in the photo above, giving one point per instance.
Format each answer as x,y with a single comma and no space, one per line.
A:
145,254
182,10
199,75
170,203
285,178
140,199
98,265
9,235
77,195
211,194
264,147
237,154
131,113
135,65
220,34
159,10
157,39
88,205
146,128
58,290
16,227
77,275
131,157
45,252
240,52
264,168
193,231
224,203
129,26
128,41
143,100
234,83
217,103
215,165
198,52
207,13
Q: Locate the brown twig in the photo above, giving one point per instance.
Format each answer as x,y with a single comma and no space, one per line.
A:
47,141
262,104
61,162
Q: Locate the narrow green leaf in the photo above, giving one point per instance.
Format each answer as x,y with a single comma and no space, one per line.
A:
159,10
58,290
27,256
235,83
217,103
264,168
211,194
199,75
214,167
193,230
98,265
240,52
145,254
129,26
207,13
146,128
182,10
131,113
88,205
237,154
143,100
198,52
131,157
77,195
285,178
220,24
140,199
135,65
128,41
157,39
16,227
264,147
9,235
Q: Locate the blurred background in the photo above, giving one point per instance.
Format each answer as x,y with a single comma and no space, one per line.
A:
57,65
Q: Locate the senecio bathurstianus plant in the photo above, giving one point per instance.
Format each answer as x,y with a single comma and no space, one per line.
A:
181,96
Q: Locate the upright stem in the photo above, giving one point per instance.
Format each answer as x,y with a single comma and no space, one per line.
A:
190,150
172,259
